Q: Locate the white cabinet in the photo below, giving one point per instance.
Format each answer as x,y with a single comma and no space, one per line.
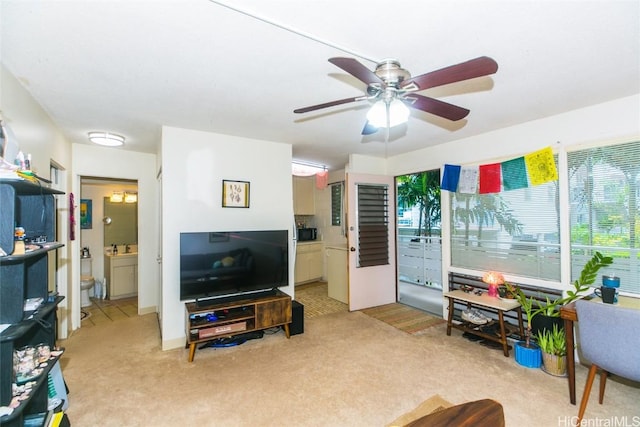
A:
304,202
121,272
309,262
337,278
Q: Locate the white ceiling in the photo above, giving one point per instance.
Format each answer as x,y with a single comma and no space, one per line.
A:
130,67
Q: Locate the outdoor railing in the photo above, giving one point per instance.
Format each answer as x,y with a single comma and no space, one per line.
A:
420,260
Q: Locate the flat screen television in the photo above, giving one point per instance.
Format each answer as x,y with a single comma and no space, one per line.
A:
230,263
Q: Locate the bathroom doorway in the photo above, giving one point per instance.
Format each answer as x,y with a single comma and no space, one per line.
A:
108,219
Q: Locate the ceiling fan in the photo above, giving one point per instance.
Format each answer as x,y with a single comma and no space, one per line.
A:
393,90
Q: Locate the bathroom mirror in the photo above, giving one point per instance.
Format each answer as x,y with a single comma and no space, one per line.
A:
123,227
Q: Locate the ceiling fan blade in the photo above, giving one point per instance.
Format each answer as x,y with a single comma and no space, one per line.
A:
357,70
437,107
329,104
477,67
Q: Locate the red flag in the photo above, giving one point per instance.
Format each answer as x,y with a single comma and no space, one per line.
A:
489,178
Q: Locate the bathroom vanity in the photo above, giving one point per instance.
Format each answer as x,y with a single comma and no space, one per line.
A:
121,272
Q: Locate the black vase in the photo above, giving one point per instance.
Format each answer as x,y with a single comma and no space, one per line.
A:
541,322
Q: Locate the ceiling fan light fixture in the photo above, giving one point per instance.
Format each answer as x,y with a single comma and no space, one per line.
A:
398,114
106,139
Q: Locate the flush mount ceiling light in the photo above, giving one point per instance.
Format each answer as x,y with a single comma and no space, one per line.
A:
107,139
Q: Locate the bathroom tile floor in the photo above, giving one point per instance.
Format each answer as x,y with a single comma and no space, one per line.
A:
102,311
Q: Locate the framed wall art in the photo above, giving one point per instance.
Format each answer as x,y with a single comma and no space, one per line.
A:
235,194
85,214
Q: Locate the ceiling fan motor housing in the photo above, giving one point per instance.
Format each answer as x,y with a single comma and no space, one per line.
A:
390,71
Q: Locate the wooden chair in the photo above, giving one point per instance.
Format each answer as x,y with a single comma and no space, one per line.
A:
480,413
609,339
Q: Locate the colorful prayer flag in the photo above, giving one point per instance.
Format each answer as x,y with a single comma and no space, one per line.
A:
450,178
468,180
514,174
541,166
489,178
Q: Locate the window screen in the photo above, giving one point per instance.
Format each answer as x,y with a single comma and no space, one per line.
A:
604,190
373,222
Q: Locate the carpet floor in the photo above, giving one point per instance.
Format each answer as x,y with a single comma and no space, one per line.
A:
346,369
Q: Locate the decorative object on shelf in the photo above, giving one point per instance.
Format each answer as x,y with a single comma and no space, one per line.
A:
494,280
608,283
85,214
235,194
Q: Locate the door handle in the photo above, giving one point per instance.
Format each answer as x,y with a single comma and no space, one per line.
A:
352,249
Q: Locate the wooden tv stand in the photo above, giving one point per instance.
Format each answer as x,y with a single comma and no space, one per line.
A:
229,318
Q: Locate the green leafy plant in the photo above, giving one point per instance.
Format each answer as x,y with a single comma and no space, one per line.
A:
527,307
554,341
582,284
587,276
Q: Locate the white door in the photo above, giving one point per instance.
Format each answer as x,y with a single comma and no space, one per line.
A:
370,286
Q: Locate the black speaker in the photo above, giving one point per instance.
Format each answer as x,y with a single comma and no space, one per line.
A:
297,318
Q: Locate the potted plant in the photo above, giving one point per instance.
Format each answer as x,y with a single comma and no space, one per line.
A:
553,344
526,353
550,309
549,313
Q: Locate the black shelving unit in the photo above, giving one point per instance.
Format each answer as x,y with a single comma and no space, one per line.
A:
24,276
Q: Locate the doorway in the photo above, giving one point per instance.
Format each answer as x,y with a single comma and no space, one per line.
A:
102,221
419,241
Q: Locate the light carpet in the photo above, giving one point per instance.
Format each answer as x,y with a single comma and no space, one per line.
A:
347,369
407,319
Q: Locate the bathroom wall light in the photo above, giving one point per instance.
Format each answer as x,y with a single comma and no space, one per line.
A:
130,197
106,139
116,197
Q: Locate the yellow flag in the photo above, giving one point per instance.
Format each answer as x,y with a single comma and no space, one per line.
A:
541,167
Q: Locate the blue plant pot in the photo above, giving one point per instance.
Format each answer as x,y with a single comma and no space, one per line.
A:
530,357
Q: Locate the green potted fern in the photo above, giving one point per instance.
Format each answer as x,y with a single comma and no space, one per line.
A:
553,344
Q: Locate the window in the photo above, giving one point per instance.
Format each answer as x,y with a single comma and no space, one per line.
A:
603,190
336,204
373,221
515,232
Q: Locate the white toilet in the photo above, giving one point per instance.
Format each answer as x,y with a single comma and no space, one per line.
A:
86,281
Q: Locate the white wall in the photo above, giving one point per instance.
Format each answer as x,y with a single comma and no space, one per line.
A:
614,120
38,135
194,165
103,162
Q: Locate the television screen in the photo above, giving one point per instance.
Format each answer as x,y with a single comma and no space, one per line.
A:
216,264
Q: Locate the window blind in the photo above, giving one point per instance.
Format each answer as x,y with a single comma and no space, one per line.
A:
336,204
515,232
373,222
604,194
